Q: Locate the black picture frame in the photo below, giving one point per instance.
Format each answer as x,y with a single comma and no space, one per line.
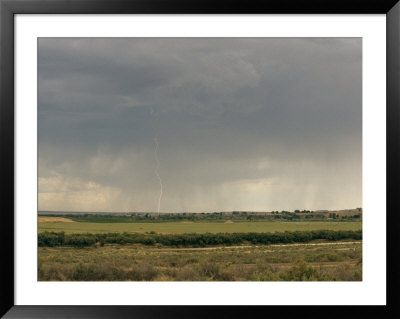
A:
8,8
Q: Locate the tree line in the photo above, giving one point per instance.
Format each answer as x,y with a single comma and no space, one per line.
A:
208,217
53,239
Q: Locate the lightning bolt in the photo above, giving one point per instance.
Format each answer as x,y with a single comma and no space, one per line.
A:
157,171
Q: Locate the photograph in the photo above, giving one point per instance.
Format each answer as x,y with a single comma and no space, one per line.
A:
199,159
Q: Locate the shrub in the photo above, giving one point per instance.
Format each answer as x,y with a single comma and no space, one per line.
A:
301,271
210,269
142,272
187,274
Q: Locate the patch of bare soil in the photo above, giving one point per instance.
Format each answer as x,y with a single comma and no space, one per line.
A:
54,220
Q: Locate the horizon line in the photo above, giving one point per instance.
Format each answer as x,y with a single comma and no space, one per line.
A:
192,212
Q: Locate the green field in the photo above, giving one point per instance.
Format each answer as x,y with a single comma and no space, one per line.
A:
198,227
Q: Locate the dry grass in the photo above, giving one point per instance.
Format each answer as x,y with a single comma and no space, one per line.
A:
263,263
54,220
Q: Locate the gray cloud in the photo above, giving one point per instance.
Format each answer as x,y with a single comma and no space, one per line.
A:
242,123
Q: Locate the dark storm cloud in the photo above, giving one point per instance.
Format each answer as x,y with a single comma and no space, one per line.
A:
257,123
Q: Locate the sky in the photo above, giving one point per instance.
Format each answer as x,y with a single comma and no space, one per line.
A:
199,124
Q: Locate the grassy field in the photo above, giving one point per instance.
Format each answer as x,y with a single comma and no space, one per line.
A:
108,261
198,227
324,262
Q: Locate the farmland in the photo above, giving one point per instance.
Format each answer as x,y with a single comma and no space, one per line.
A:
197,227
215,247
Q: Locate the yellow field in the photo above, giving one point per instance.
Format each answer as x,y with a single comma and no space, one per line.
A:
198,227
48,219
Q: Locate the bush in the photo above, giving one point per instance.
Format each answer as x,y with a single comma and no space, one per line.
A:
210,270
186,273
142,272
301,271
266,275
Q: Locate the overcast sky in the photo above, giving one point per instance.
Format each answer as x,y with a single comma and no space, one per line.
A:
241,124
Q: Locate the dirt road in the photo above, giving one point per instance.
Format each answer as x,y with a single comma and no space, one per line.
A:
257,246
